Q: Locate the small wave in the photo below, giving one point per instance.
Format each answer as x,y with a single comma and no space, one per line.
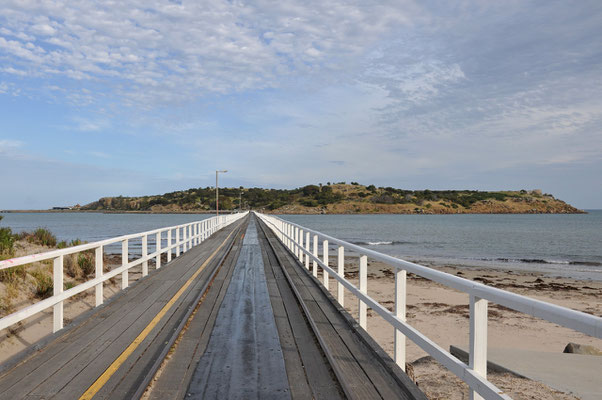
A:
543,261
378,242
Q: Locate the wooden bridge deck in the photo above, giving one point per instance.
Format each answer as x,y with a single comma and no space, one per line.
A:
235,317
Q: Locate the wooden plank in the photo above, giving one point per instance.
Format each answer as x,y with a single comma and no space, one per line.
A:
82,341
175,376
308,369
125,373
243,358
331,323
139,364
298,382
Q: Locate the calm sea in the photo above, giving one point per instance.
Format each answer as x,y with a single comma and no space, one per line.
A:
564,245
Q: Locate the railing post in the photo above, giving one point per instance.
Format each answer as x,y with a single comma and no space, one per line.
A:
362,308
158,247
478,339
98,261
301,254
124,260
145,255
297,242
307,248
178,241
184,238
325,261
341,271
57,282
400,312
169,245
315,253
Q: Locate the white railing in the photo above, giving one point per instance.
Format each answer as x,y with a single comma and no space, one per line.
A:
180,237
475,373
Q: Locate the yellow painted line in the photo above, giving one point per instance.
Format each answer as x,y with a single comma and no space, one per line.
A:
99,383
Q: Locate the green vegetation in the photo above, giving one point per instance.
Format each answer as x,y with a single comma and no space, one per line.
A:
338,197
43,283
7,241
41,236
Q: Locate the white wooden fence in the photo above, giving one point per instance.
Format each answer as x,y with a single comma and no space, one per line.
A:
298,238
179,237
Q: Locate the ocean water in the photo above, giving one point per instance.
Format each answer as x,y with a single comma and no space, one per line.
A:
563,245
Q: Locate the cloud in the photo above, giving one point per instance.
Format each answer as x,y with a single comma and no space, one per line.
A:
8,146
159,52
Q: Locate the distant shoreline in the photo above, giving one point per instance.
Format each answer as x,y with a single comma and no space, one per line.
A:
280,213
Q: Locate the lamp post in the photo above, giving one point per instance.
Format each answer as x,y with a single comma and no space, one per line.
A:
217,191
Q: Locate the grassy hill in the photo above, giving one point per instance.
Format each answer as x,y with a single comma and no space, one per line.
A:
341,198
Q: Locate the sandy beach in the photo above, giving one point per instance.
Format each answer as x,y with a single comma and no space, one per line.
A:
442,314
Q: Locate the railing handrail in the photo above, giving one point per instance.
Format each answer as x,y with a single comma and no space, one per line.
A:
473,374
31,258
573,319
192,233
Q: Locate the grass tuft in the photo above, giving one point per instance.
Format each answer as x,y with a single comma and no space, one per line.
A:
85,261
43,237
13,274
43,284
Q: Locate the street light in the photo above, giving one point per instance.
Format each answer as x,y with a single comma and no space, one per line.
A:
217,191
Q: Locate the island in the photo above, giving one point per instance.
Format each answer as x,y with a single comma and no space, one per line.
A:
339,198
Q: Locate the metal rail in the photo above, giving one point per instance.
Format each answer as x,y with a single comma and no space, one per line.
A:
475,374
179,237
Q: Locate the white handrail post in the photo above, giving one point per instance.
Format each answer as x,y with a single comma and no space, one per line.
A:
144,255
282,232
325,261
288,234
98,261
124,261
190,236
301,253
169,246
57,283
178,241
158,247
315,253
307,248
297,242
341,271
400,312
184,238
478,339
363,275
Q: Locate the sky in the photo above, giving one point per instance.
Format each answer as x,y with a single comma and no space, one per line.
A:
145,97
